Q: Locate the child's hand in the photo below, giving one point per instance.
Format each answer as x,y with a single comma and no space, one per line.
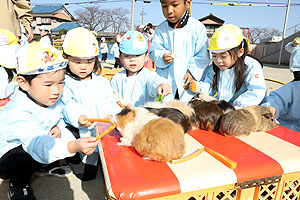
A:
273,110
83,121
164,89
168,59
108,117
55,132
85,145
194,87
187,79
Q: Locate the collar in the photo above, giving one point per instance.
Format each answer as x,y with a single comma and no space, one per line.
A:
183,20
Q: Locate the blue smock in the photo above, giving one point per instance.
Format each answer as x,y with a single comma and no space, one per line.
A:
286,102
94,98
295,56
252,91
188,45
23,122
137,90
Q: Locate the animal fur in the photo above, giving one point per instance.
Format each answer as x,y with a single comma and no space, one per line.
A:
183,107
161,140
208,113
173,114
130,121
244,121
158,138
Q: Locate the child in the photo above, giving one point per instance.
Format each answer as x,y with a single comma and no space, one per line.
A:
86,94
233,76
136,84
179,48
103,49
8,48
45,35
32,131
294,49
115,50
284,104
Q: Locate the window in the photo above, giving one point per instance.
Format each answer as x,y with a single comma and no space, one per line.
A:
46,20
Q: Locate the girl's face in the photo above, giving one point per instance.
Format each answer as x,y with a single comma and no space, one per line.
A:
81,67
133,63
45,89
225,60
174,9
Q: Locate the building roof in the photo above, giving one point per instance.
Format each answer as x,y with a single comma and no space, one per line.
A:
67,25
46,9
211,20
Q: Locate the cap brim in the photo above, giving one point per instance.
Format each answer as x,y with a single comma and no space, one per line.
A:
48,68
219,50
8,57
133,51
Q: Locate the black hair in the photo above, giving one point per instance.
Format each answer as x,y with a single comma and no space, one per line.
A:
97,66
239,66
10,73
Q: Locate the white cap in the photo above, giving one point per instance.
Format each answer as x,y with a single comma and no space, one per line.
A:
8,49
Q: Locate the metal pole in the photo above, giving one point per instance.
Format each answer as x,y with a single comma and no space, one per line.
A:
132,14
283,32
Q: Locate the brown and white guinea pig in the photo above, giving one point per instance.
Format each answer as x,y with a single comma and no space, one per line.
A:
182,106
173,114
130,121
246,120
161,140
208,112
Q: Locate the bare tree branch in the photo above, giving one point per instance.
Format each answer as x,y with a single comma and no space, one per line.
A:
258,34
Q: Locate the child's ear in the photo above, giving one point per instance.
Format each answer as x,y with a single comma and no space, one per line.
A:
241,52
23,83
188,4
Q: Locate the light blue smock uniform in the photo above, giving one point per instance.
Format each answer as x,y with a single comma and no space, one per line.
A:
94,98
252,91
137,90
7,89
23,122
115,50
286,102
189,47
295,56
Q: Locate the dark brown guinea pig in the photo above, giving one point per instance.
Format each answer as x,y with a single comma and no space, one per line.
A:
244,121
173,114
208,113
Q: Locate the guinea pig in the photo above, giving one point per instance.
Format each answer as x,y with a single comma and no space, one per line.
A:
182,106
173,114
161,140
246,120
130,121
209,113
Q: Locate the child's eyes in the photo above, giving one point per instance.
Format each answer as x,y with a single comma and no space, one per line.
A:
174,5
62,82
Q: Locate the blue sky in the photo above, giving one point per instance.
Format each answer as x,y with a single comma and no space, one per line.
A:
242,16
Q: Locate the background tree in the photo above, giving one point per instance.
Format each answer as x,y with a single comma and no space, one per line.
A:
94,18
120,21
258,34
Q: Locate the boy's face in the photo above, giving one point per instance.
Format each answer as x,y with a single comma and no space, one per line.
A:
81,67
133,63
45,89
174,9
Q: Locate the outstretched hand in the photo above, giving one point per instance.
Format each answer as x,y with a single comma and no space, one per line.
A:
187,79
164,89
84,122
85,145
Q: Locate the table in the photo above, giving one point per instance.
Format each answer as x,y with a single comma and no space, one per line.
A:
268,167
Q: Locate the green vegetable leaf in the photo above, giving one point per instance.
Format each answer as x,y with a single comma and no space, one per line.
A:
160,98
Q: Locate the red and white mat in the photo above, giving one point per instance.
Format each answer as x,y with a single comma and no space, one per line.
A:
260,155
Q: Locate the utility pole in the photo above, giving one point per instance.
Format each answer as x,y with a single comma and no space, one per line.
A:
142,14
132,14
283,32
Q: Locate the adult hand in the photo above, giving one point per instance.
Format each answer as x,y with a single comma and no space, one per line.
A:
29,33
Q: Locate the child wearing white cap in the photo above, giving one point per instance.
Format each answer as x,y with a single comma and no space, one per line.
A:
103,49
136,84
8,60
45,35
233,76
294,49
32,130
86,94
